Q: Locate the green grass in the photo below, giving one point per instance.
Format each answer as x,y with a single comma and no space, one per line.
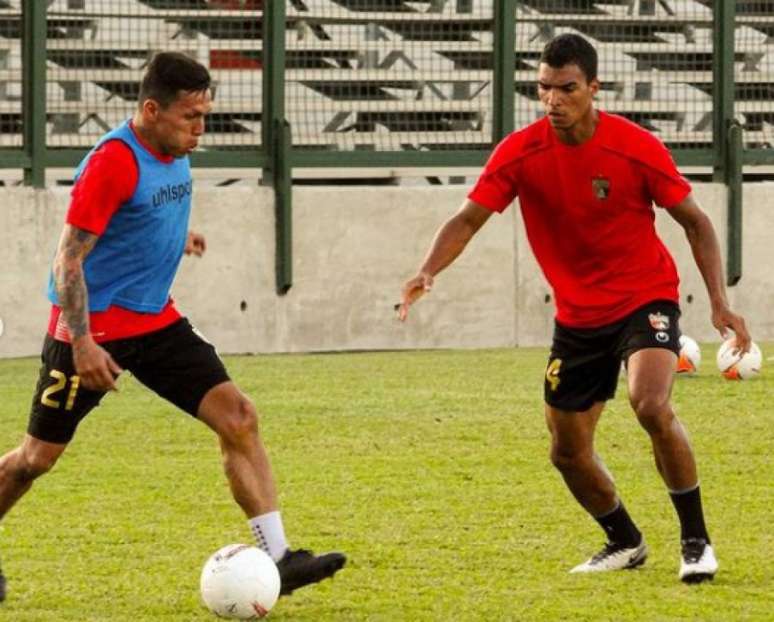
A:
429,469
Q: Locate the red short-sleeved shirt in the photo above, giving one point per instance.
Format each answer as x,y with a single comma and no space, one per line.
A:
108,180
588,214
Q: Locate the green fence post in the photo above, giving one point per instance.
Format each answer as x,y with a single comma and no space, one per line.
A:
724,15
283,194
275,133
34,91
734,181
503,93
727,134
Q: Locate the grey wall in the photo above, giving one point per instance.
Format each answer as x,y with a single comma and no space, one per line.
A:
353,249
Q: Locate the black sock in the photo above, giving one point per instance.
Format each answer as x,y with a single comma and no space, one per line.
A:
688,506
619,527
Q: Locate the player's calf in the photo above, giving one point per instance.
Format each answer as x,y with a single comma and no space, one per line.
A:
2,586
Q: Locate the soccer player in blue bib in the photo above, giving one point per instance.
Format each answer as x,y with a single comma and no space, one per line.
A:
126,231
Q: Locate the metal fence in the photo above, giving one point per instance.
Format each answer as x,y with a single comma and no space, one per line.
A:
95,61
398,83
389,80
656,60
381,82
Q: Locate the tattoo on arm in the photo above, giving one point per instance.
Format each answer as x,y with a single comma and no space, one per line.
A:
74,245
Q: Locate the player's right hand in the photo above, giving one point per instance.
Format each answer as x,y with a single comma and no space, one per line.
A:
195,244
94,365
725,321
412,291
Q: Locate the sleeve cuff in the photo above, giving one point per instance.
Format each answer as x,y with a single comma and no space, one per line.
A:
488,202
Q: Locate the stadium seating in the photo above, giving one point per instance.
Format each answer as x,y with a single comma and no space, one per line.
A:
387,74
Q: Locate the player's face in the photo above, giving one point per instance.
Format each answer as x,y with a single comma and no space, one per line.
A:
178,127
566,95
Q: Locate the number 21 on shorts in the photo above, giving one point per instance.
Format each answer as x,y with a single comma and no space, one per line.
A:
48,397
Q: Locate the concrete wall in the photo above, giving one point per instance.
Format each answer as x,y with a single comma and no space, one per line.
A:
353,249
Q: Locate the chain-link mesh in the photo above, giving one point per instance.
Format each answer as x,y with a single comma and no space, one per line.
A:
390,74
97,50
754,71
655,61
11,117
387,74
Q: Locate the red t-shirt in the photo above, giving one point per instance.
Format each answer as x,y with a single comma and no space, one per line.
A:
588,214
109,180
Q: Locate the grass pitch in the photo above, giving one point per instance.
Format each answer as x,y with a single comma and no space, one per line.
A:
429,469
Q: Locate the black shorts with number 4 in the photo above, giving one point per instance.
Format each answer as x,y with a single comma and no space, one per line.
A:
175,362
584,363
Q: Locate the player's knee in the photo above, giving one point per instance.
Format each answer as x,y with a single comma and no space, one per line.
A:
33,463
566,460
653,412
241,421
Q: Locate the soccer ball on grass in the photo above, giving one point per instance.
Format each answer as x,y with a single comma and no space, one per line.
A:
240,582
690,356
737,366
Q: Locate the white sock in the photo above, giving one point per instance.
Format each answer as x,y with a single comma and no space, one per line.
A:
270,534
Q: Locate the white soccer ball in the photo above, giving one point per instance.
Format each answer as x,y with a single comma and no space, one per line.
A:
736,366
689,358
240,582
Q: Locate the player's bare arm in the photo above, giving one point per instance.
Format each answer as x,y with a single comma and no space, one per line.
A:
94,365
450,240
74,245
706,252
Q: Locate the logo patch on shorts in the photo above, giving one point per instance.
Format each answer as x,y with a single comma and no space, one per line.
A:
658,321
662,337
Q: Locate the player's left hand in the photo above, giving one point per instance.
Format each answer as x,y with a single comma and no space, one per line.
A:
412,291
195,244
724,319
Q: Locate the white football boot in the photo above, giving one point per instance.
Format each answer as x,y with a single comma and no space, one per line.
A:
698,561
615,557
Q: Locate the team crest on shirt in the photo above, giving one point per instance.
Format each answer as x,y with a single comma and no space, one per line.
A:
601,187
659,321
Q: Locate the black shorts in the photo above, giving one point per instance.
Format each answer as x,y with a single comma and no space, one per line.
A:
175,362
584,363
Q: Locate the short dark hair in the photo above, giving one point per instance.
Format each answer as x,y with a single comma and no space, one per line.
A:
571,49
169,73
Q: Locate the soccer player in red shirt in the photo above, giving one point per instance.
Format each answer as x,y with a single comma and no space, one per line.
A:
586,183
125,232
